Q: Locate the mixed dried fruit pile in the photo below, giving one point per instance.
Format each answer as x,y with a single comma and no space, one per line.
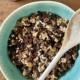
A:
34,42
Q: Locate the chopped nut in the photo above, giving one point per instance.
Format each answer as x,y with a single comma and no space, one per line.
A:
37,22
63,60
54,23
29,64
63,29
40,64
54,77
16,37
41,68
56,39
52,49
34,75
25,22
17,51
25,19
32,20
24,72
49,27
19,36
74,56
29,45
36,59
22,55
12,41
43,35
35,34
13,35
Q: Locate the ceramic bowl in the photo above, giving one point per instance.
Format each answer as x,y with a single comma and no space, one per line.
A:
7,67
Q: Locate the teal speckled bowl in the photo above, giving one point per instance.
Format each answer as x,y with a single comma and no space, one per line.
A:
7,67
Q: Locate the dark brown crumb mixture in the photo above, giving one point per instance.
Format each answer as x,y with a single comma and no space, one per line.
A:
34,42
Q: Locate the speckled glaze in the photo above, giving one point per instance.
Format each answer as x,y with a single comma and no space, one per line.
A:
7,67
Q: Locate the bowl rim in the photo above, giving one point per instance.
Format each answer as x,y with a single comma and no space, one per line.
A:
31,3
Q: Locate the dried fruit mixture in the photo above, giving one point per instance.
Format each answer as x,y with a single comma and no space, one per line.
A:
34,42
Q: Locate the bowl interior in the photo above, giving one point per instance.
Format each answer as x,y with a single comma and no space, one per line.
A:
7,67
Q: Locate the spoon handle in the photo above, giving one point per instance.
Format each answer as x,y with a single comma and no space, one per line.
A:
50,67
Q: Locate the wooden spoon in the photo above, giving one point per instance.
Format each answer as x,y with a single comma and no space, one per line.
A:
71,39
